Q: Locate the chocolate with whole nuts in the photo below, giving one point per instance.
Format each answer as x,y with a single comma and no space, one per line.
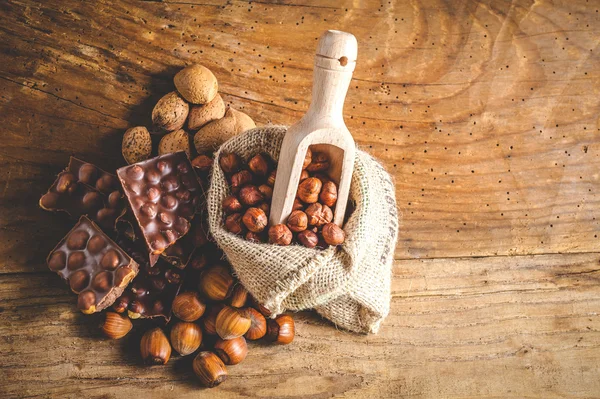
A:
247,208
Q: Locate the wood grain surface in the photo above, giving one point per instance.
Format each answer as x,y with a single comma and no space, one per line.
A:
486,113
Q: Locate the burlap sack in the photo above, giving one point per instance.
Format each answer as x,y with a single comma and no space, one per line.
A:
348,284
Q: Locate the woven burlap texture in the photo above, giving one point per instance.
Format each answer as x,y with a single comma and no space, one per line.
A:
348,284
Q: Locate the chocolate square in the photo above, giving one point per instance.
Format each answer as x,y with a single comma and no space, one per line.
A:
164,194
96,268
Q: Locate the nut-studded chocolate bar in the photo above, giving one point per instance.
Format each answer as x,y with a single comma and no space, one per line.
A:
180,253
152,292
96,268
85,189
164,194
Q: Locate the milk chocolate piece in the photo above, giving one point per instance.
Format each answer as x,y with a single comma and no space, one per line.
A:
164,195
180,253
85,189
152,292
96,268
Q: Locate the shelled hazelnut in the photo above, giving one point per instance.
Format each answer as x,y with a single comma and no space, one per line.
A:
247,208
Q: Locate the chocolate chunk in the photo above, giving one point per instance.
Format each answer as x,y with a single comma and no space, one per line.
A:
85,189
94,266
163,193
152,292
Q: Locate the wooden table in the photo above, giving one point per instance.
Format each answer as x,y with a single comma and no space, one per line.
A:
487,115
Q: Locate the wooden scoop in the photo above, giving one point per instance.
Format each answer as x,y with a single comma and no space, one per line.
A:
322,127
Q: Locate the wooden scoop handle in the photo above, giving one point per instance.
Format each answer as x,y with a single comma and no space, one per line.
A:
322,125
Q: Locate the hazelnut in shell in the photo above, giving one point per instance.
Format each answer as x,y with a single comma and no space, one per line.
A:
258,324
281,330
239,296
216,283
155,347
186,337
188,307
116,326
210,318
231,351
209,369
230,323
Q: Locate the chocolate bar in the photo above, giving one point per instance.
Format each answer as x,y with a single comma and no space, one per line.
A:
85,189
152,292
164,194
96,268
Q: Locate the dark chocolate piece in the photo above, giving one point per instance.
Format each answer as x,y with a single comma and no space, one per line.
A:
85,189
97,269
152,292
164,194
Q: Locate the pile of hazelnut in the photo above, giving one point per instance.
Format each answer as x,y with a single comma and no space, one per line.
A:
247,208
218,318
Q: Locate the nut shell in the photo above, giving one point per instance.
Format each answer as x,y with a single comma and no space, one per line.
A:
186,338
209,369
230,323
210,318
200,115
242,121
239,296
231,351
155,347
258,324
170,112
188,307
215,133
136,145
197,84
116,326
173,142
216,283
281,330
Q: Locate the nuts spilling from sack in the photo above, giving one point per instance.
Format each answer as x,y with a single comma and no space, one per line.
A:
247,208
149,256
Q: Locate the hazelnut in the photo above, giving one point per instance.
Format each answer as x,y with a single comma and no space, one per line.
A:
333,234
239,296
240,179
304,175
255,220
258,324
209,369
307,159
216,283
231,205
281,329
116,326
323,177
233,223
308,238
230,323
259,165
297,221
250,196
265,208
186,337
188,307
319,163
202,163
280,234
266,191
231,351
230,163
271,179
259,306
309,189
319,215
155,347
253,237
328,194
298,205
210,317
